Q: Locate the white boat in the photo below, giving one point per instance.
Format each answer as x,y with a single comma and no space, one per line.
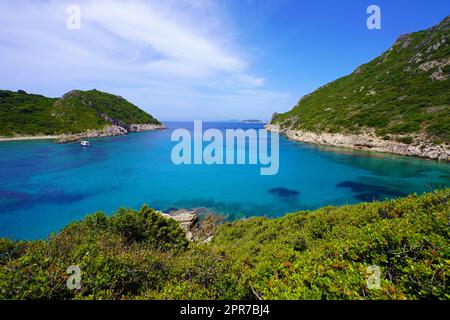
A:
85,143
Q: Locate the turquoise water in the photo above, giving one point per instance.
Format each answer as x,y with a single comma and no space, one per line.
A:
44,186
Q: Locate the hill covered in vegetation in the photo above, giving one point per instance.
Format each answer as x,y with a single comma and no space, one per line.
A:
401,96
77,111
323,254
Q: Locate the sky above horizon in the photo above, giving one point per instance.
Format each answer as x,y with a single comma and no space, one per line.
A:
198,59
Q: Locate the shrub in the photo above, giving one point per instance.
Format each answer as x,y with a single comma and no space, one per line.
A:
322,254
405,140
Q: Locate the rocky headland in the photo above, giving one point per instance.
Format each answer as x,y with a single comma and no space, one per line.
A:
367,141
396,103
76,115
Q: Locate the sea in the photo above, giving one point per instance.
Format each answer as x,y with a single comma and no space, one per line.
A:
44,186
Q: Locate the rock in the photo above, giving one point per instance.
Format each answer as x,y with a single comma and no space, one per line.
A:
209,239
438,66
416,59
436,46
109,131
438,75
145,127
358,70
196,228
187,219
404,40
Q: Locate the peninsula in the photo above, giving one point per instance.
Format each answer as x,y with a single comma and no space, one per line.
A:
76,115
398,103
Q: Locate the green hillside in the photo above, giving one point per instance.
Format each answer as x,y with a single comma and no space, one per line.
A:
307,255
76,111
405,91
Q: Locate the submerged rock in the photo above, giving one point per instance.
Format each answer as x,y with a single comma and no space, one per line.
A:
284,193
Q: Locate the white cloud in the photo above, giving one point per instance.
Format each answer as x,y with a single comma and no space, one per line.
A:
145,45
142,25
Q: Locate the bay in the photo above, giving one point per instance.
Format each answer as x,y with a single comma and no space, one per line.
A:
44,186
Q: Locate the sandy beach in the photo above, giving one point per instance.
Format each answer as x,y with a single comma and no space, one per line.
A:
25,138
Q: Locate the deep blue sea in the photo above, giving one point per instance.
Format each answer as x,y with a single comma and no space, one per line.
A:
44,185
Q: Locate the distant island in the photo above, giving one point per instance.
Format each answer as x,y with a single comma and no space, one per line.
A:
252,121
398,103
77,115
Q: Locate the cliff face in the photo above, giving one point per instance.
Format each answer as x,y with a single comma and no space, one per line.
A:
398,103
82,113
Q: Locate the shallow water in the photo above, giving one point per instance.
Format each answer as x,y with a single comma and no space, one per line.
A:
44,186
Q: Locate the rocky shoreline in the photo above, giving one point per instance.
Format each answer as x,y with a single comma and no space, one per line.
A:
109,131
368,142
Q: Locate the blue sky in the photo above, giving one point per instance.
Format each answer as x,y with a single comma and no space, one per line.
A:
198,59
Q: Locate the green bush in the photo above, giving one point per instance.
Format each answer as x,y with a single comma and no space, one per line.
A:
322,254
149,227
405,140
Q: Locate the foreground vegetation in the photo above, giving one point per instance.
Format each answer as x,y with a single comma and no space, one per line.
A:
402,95
307,255
77,111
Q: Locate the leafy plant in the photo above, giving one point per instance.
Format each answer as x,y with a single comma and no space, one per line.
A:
322,254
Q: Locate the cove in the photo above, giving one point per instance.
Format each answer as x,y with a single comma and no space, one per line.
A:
44,186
